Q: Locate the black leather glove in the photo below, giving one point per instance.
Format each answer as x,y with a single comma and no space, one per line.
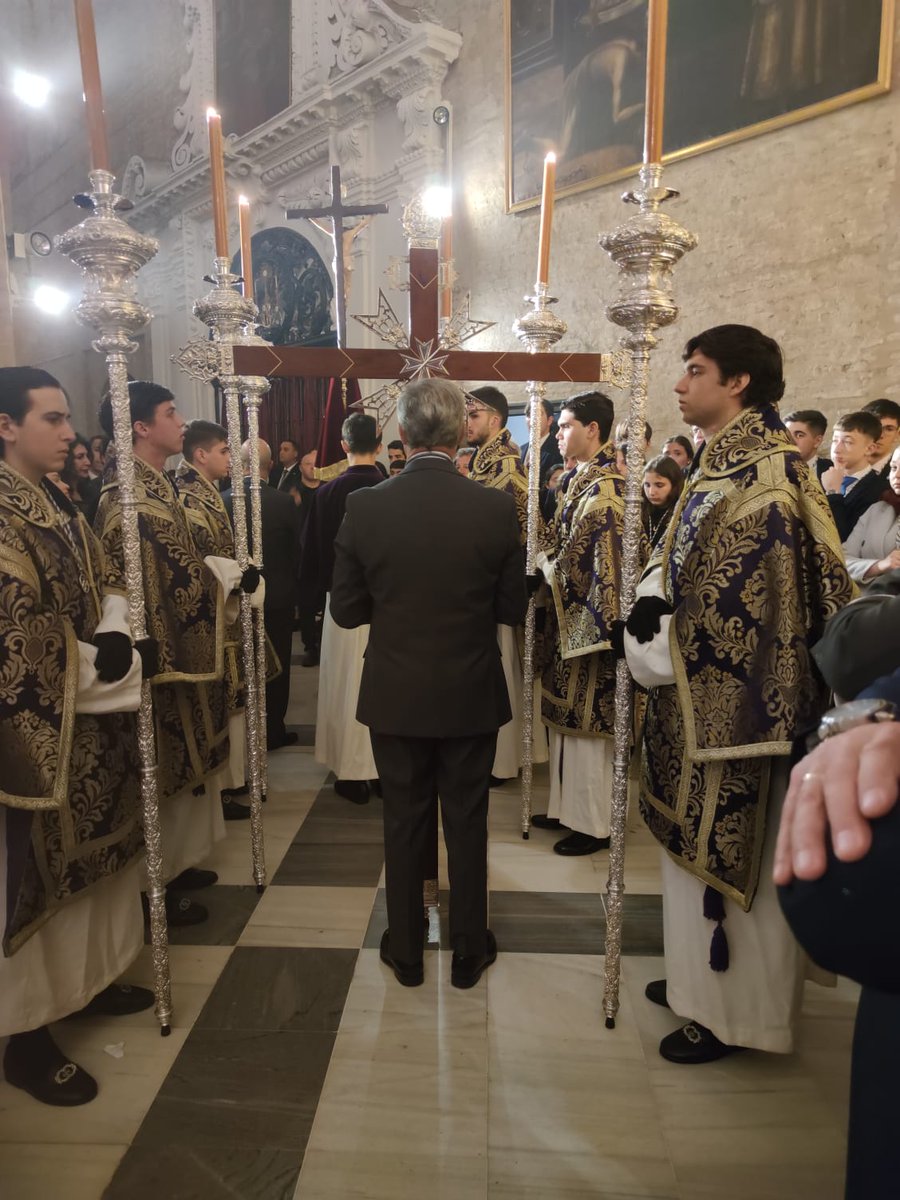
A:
617,638
148,649
533,582
250,580
113,656
645,619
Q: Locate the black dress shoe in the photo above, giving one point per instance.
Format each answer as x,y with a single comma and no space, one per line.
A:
310,658
694,1043
409,974
192,880
243,790
34,1063
580,843
465,971
495,782
288,738
117,1000
375,786
354,790
233,811
542,821
656,991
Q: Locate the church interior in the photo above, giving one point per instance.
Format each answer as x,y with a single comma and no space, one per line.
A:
296,1067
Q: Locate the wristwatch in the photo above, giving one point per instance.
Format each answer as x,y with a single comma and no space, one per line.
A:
853,714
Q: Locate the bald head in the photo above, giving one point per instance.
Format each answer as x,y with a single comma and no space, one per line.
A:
265,458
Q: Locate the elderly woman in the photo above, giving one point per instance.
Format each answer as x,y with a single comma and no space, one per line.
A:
873,547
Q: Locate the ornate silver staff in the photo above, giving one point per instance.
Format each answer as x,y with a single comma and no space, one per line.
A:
225,311
253,388
646,249
538,330
110,253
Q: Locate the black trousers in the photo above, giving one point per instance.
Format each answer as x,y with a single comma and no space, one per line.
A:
279,623
873,1159
412,771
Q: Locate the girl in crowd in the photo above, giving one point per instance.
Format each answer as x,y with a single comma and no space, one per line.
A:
83,491
663,481
680,449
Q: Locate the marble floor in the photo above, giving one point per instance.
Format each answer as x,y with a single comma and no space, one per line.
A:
298,1068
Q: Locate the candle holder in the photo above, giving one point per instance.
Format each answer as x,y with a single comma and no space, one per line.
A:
538,330
229,314
110,253
646,248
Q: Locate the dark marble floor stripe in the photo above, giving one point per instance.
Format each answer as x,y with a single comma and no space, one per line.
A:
214,1172
234,1114
339,844
270,987
548,923
230,908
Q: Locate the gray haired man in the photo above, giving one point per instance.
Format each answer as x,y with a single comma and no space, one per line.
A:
432,563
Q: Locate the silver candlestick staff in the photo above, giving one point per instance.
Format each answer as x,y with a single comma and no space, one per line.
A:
538,330
225,311
646,248
253,388
110,253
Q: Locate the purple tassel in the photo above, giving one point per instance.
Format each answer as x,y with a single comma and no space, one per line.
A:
714,910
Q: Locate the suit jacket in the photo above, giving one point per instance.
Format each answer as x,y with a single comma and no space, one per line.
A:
822,465
281,543
551,455
287,478
432,562
848,509
326,514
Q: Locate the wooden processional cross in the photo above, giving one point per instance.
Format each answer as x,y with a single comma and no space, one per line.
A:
422,349
336,211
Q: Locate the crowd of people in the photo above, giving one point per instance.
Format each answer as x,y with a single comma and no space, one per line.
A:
408,584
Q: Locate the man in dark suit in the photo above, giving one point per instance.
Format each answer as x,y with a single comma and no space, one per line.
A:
851,485
433,564
287,474
808,426
551,455
281,560
836,864
888,413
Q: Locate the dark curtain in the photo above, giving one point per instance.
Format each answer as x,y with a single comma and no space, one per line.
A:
293,408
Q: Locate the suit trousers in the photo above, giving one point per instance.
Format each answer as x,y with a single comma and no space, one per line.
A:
279,623
412,771
873,1157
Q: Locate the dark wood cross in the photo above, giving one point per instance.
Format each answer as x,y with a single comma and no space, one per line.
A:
336,211
423,349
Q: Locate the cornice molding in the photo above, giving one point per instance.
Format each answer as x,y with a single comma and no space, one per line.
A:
378,59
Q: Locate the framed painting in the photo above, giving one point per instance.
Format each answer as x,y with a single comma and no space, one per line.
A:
576,71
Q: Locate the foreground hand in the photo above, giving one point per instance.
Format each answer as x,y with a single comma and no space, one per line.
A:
250,580
113,661
645,619
835,791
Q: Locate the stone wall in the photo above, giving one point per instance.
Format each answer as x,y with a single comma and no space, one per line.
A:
798,235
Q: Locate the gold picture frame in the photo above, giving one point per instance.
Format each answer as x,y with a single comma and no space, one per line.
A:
575,69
